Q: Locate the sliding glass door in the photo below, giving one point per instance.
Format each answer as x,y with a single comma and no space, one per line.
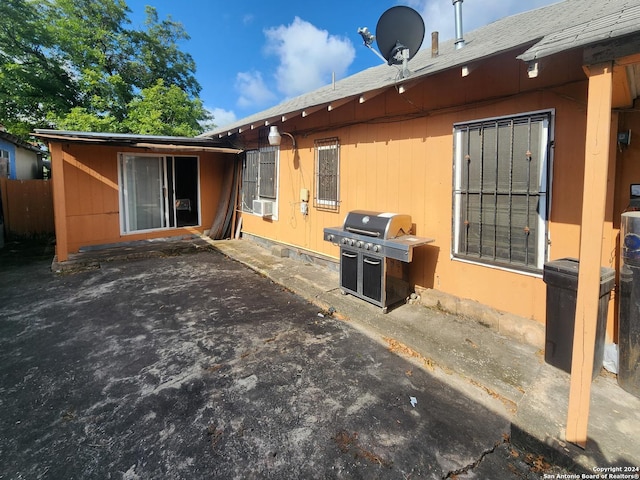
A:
158,192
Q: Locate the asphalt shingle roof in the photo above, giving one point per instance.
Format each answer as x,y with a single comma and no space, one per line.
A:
546,31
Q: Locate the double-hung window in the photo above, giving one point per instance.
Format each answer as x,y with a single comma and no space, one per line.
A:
501,179
327,172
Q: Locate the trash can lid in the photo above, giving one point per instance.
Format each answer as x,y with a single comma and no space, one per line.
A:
568,266
563,269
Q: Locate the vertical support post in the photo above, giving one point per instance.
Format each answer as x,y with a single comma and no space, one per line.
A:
598,136
59,201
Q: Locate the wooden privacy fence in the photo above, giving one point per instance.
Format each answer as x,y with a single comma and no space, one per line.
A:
27,207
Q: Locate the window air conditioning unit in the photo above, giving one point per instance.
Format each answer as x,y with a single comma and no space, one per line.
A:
264,208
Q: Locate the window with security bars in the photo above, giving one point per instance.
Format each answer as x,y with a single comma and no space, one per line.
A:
327,173
249,180
267,173
500,190
259,176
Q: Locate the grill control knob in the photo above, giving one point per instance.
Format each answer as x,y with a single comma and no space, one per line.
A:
352,242
368,246
330,237
360,244
344,241
376,248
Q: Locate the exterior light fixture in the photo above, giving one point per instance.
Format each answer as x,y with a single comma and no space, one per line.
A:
275,137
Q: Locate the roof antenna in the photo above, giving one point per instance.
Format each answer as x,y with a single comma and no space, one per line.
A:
399,34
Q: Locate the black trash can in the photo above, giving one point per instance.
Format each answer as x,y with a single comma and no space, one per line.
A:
561,277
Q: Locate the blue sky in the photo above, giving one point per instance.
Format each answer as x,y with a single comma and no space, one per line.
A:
253,54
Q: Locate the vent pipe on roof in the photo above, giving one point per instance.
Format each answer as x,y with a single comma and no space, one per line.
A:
435,45
457,4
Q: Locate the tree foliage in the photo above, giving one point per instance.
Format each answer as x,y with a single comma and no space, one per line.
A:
33,79
77,64
164,110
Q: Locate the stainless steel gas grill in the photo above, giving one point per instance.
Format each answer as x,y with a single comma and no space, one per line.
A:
375,252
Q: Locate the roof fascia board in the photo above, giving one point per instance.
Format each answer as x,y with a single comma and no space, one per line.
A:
622,50
194,148
134,142
69,138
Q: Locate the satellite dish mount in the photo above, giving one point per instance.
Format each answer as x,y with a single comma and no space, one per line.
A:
399,34
400,55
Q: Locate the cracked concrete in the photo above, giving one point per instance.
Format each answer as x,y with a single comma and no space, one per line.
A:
472,466
195,367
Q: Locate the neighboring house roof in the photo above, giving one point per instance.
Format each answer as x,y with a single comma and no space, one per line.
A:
18,142
545,31
138,141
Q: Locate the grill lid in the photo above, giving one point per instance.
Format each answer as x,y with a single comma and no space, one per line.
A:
377,224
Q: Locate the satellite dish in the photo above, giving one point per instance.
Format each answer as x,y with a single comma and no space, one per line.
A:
399,34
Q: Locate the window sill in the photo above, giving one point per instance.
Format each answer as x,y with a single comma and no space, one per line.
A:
529,272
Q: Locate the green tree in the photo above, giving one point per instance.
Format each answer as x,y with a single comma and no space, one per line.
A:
158,54
92,39
165,110
81,120
77,64
34,82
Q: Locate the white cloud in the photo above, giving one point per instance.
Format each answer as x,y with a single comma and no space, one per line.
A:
222,117
308,56
253,91
439,15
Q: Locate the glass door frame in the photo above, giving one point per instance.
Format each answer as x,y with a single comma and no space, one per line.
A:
167,205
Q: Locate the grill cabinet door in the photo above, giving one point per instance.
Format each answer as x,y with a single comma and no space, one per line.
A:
349,270
372,277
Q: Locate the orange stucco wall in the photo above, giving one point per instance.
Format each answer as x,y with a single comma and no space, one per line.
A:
90,188
396,155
